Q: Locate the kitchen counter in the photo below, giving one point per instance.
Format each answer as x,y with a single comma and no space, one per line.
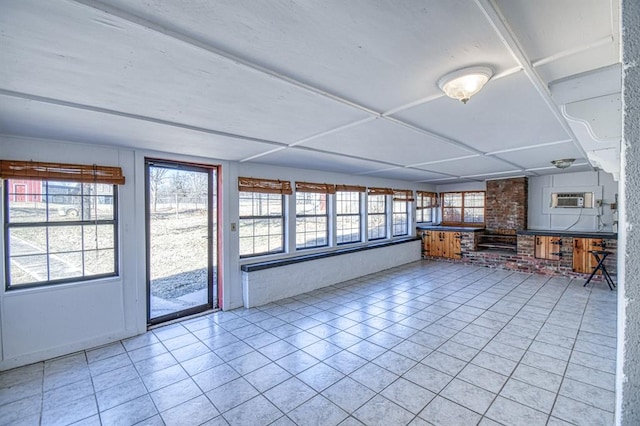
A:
449,228
577,234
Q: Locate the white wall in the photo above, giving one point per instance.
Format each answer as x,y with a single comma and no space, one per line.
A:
268,285
597,219
39,323
45,322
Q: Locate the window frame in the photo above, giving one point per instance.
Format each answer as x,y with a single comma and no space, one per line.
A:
47,224
462,207
317,189
425,201
282,217
401,198
350,190
378,192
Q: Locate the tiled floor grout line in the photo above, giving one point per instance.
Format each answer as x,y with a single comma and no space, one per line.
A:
563,377
501,329
393,297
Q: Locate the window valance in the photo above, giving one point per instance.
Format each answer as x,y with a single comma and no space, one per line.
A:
320,188
266,186
35,170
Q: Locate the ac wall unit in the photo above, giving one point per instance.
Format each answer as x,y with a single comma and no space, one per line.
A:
580,200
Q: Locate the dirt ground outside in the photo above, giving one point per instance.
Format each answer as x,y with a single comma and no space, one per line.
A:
179,252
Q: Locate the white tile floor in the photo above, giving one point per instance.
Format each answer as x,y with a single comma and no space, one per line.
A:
425,343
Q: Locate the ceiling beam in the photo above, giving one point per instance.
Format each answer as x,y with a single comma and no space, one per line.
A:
569,52
100,110
500,25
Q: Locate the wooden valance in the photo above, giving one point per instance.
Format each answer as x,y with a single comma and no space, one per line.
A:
380,191
321,188
403,195
265,186
35,170
427,200
351,188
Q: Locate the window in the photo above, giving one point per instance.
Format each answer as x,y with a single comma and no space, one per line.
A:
377,213
59,232
262,215
426,202
261,223
463,208
401,200
348,222
311,214
60,222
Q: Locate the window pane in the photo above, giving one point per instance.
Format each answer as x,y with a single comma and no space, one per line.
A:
474,199
451,214
348,229
452,199
65,265
65,238
23,241
28,269
474,215
98,262
98,237
41,246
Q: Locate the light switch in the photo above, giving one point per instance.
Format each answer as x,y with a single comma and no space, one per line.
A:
233,227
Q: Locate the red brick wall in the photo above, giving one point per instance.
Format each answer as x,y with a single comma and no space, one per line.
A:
506,205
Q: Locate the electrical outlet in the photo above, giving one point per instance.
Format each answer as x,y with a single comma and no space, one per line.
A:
598,203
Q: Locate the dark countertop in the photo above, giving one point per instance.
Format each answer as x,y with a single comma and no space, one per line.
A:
578,234
449,228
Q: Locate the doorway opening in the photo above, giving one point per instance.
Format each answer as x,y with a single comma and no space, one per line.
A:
182,239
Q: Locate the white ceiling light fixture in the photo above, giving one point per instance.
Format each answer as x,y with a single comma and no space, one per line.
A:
563,163
462,84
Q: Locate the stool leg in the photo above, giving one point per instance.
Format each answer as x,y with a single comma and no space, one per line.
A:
592,274
608,277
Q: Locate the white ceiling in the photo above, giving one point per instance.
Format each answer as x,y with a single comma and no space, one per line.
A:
344,86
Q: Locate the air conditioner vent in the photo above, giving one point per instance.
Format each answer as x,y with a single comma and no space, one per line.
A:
578,200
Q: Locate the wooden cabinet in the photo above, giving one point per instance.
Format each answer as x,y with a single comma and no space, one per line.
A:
583,260
442,244
548,247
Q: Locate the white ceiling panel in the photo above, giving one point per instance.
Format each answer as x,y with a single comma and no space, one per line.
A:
594,58
96,59
548,27
469,166
18,117
384,140
313,160
379,54
507,113
540,156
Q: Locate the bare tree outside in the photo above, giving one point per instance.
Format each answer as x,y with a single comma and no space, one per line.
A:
156,176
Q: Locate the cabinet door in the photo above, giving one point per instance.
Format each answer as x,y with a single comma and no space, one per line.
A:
593,244
426,243
554,248
580,255
441,245
456,237
541,246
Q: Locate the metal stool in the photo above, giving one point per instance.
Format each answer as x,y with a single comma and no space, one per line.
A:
600,256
